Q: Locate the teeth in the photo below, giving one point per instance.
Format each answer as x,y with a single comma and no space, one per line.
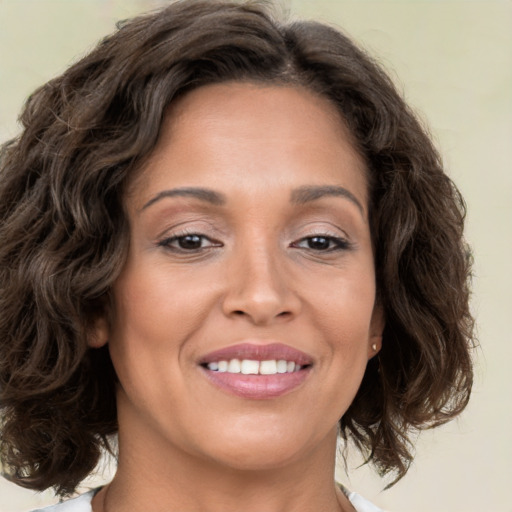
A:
249,367
282,366
234,366
268,367
252,367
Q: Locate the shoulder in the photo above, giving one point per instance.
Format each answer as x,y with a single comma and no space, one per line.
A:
81,503
359,503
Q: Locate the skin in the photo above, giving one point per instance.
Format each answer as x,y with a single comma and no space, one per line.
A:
255,273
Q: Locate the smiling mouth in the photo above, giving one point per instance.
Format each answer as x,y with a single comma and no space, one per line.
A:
254,367
253,370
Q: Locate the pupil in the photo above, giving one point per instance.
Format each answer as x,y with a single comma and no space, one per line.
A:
319,242
190,242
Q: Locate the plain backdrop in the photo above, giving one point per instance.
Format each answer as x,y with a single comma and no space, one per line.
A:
453,60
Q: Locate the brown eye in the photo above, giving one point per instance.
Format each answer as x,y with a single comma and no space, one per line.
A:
322,243
189,242
319,243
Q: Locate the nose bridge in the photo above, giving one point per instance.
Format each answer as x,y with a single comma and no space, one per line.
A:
258,283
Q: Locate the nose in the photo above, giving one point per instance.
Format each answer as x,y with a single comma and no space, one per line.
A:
259,289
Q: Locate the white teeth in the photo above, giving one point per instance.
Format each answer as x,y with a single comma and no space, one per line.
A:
282,366
268,367
234,366
252,367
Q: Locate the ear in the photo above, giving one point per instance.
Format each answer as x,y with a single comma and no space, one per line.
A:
377,324
99,333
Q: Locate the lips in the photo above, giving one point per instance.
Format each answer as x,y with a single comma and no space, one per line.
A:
258,352
257,371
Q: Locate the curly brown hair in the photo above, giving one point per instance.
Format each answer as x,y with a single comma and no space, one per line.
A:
64,235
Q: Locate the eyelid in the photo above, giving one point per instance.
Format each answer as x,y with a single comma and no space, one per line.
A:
165,242
340,243
191,225
321,228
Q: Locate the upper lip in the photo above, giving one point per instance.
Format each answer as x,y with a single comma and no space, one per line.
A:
258,352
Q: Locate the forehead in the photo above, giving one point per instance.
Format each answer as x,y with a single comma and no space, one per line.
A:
252,133
255,110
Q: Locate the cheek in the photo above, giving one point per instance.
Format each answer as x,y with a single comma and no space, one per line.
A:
147,327
343,309
343,316
154,306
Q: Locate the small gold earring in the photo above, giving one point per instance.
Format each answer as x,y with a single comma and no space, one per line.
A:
374,347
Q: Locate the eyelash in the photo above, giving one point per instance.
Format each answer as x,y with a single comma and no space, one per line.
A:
334,243
167,242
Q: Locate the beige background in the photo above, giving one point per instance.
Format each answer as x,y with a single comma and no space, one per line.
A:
453,59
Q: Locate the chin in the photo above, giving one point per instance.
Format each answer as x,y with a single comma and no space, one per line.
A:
266,449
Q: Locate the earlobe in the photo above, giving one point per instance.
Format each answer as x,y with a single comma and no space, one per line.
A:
99,333
374,347
376,330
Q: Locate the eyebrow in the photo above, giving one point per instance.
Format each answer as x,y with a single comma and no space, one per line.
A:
203,194
312,193
300,195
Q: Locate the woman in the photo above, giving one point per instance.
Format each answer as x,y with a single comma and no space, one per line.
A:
226,240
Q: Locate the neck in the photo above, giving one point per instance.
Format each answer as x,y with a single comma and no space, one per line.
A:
170,479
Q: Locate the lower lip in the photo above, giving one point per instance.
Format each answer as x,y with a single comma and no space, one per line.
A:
257,387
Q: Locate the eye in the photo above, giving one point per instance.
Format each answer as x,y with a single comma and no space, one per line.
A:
322,243
189,242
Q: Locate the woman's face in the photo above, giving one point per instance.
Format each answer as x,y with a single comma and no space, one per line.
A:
250,241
